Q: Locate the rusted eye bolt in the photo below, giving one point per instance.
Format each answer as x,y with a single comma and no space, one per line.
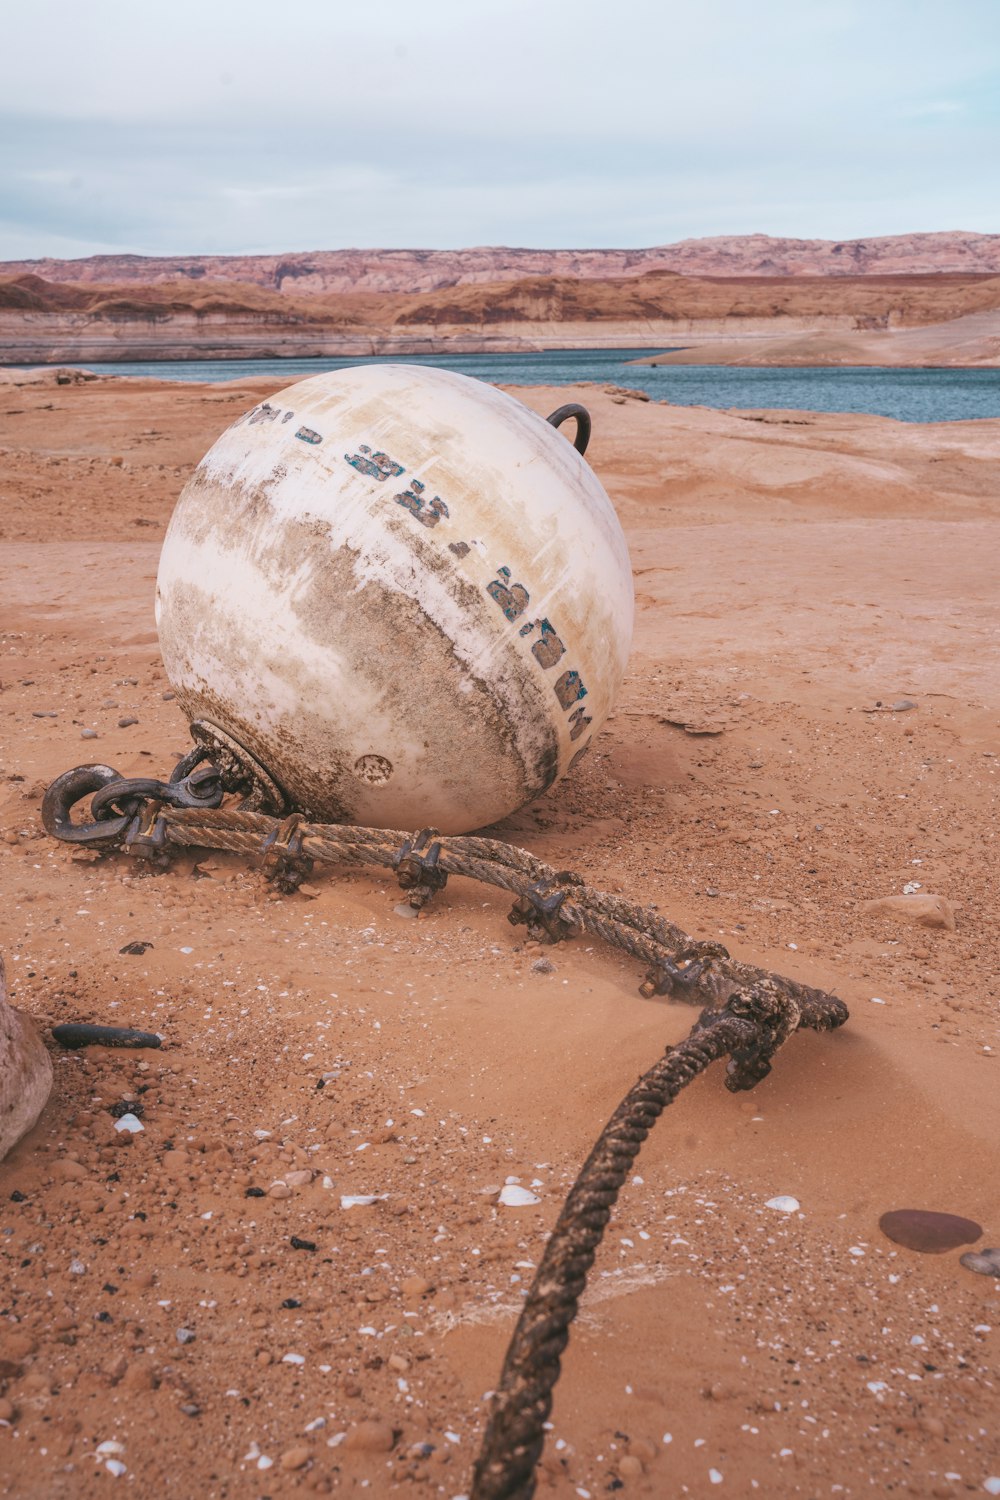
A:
582,415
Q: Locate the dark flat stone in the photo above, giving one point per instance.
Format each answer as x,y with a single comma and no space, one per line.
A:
931,1233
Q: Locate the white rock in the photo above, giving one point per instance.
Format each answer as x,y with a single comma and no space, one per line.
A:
360,1200
517,1197
115,1466
784,1204
131,1123
110,1448
992,1485
293,1359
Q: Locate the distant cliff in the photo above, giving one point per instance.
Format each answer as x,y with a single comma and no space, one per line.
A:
46,321
320,272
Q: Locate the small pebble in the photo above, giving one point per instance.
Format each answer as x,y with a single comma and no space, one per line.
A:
784,1204
295,1458
88,734
985,1262
370,1437
185,1335
127,722
543,966
513,1196
924,908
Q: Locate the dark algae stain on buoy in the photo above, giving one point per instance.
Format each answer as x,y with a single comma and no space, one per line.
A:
932,1233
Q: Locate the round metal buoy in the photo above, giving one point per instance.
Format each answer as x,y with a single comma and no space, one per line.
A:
402,592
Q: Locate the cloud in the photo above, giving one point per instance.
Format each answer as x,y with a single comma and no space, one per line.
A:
246,126
936,107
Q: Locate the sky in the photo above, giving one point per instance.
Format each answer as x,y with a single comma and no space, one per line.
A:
261,126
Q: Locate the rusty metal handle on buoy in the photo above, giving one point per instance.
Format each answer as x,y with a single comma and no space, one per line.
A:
582,415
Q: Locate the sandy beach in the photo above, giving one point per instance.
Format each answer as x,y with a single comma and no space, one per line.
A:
797,575
972,341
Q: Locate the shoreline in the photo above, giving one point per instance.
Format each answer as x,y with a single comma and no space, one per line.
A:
40,338
920,395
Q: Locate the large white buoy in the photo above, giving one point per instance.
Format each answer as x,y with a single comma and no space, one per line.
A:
404,593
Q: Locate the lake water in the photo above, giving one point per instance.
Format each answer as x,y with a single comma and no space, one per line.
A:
910,395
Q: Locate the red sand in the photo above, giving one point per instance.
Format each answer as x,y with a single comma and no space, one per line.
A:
792,570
